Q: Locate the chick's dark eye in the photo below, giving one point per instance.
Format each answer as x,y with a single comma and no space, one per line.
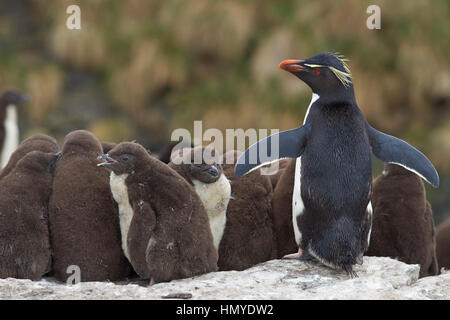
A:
125,158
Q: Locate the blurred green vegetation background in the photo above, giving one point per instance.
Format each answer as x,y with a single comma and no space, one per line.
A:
140,69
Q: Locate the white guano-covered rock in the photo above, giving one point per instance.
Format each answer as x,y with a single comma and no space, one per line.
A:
379,278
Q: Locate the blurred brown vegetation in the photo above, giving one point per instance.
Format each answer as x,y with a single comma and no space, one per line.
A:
140,69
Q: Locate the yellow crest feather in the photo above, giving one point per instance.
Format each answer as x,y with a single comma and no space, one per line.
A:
344,77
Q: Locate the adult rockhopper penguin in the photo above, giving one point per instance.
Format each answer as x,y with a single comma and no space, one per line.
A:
333,176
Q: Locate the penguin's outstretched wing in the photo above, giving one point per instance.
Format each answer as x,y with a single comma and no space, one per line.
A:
393,150
286,144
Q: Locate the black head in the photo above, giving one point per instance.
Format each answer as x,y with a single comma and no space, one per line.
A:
324,73
125,158
207,173
12,97
199,163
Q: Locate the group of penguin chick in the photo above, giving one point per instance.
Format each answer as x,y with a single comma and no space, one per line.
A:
129,214
115,210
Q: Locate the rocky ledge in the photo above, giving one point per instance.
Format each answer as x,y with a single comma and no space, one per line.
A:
379,278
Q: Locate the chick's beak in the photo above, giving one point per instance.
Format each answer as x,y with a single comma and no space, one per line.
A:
291,65
52,165
109,161
213,171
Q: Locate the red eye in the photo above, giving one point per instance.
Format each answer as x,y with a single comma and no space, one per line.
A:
317,72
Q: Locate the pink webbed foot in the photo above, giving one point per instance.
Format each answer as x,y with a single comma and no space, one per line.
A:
296,255
300,255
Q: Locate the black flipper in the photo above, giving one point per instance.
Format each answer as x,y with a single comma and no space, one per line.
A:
393,150
285,144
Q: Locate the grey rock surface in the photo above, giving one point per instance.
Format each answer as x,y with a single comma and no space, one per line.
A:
379,278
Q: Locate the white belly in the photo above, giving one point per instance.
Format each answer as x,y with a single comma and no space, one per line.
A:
119,191
215,197
370,210
11,141
297,202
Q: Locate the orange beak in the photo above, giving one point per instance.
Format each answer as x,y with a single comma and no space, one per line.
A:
291,65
